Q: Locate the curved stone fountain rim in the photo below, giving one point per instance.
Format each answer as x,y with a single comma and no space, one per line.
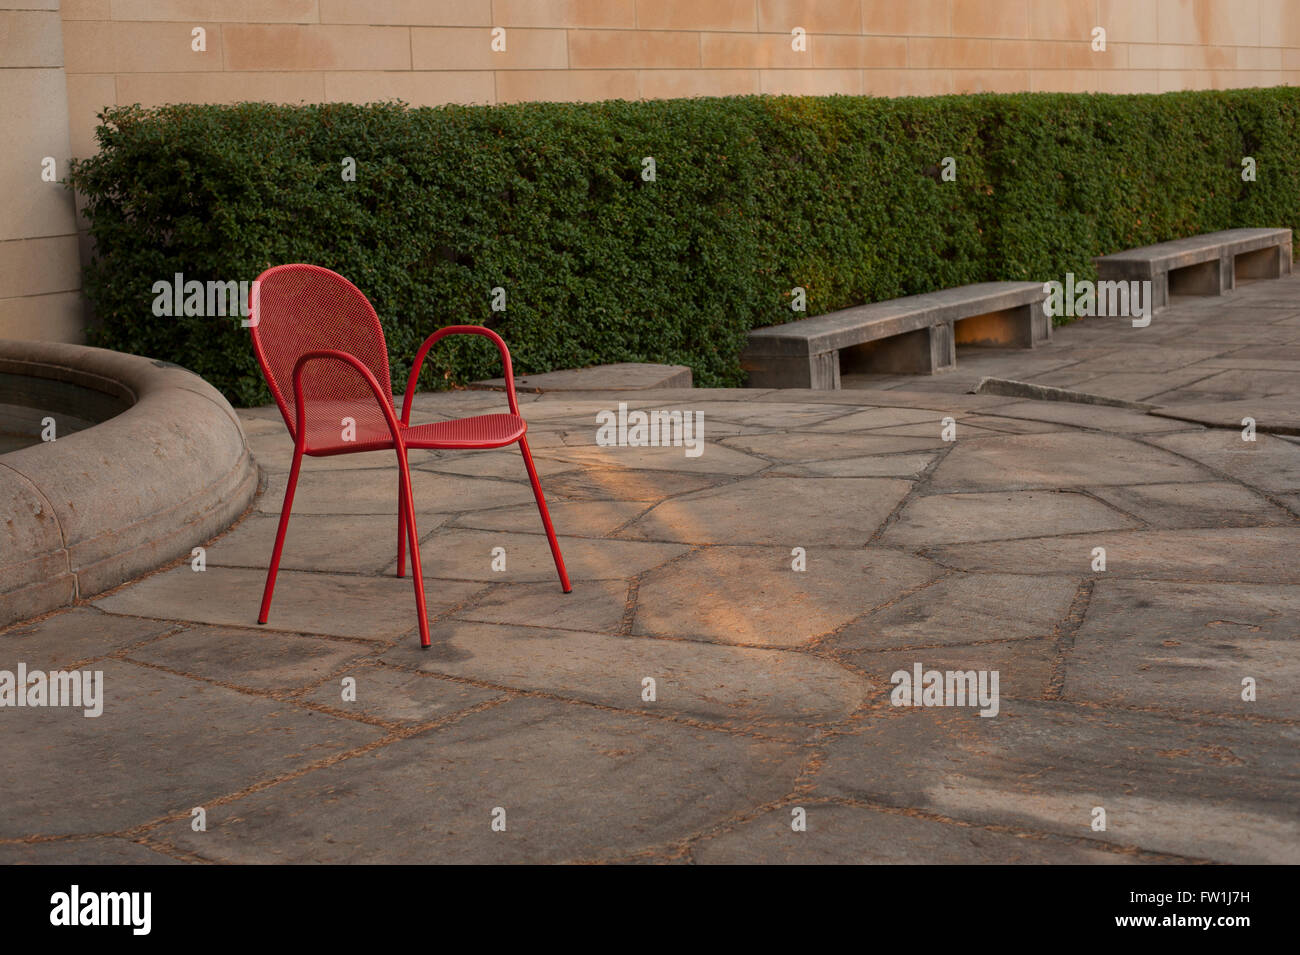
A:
96,508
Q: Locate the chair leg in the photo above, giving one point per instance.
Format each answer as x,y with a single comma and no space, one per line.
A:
406,505
546,516
271,571
402,530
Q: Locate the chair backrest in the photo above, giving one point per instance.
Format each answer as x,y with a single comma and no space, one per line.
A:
296,309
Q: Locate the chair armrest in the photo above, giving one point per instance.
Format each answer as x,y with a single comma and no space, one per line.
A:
459,330
331,354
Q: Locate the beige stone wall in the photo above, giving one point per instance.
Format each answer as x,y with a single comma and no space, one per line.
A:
439,51
39,269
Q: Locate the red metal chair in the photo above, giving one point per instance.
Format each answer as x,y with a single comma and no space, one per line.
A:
322,350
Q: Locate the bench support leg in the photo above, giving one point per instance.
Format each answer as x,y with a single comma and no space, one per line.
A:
1159,292
820,372
1040,323
1161,285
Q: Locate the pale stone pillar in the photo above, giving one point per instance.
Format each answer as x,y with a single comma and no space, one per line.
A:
40,268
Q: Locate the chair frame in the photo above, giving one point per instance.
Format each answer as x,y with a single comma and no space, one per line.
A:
406,524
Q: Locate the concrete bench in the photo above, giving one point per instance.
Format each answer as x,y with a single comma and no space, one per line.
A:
1209,264
914,335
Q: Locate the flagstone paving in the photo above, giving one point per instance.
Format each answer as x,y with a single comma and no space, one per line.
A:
719,686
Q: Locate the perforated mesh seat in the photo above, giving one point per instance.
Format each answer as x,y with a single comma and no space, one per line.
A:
480,431
326,434
321,347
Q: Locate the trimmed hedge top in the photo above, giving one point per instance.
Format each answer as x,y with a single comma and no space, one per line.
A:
553,203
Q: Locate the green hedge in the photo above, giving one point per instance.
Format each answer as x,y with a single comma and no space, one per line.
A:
752,196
